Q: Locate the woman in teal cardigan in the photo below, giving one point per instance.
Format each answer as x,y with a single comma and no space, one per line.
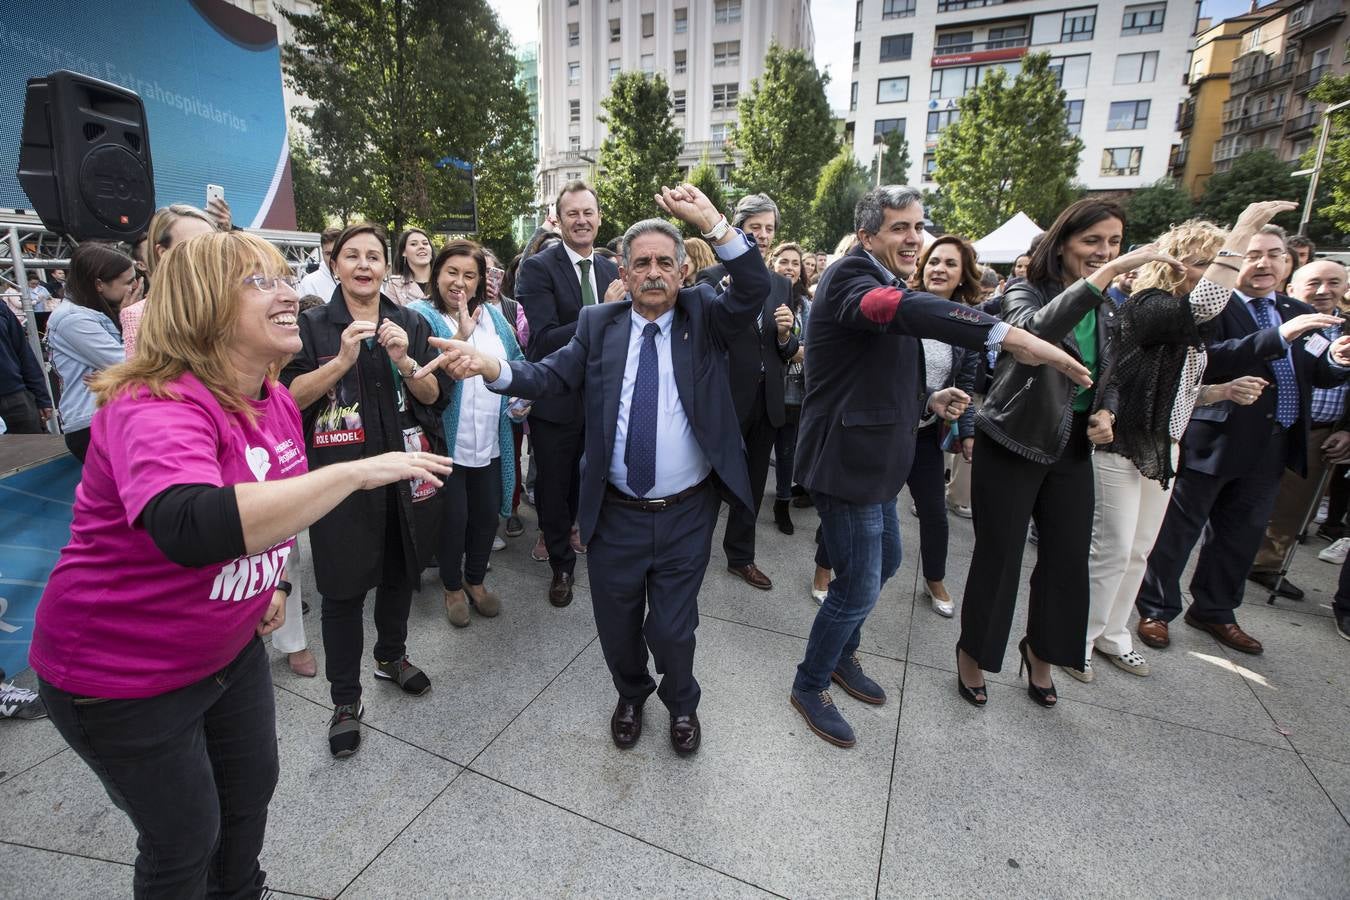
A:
477,430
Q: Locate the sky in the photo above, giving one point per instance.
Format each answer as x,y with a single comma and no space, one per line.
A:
833,21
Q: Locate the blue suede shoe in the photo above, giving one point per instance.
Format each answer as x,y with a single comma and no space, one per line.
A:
822,717
849,676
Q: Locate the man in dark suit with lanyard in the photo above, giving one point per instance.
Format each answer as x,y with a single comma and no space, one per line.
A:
758,357
652,376
1233,456
553,287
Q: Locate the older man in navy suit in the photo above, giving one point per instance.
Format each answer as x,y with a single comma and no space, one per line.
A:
652,374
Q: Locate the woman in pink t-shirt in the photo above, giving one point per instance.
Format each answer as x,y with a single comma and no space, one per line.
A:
146,642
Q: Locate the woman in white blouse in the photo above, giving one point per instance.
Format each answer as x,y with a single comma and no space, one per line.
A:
477,430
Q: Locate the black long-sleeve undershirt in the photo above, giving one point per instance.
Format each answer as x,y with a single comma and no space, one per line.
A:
195,525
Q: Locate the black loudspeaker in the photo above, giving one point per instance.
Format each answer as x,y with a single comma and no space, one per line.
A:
84,157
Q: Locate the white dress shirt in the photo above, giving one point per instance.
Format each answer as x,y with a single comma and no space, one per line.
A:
478,437
576,257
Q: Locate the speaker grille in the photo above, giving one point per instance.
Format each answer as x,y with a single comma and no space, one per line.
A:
93,131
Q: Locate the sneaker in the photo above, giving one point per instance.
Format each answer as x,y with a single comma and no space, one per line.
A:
344,729
1322,511
1086,676
403,673
1130,662
498,543
961,511
514,527
540,551
19,703
849,676
821,716
819,595
1337,552
1343,626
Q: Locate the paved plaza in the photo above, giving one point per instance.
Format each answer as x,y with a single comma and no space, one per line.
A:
1221,775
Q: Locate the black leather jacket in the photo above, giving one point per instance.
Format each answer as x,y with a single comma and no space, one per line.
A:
1029,409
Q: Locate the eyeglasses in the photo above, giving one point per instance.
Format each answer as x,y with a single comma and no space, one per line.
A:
1272,256
270,284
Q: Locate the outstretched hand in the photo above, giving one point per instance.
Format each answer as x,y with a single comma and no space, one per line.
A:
1030,350
690,205
460,360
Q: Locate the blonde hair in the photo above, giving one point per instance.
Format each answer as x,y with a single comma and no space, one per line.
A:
700,256
161,223
1194,237
190,326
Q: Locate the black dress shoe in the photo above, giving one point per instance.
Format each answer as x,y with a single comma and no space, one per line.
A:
685,733
560,591
1287,589
625,726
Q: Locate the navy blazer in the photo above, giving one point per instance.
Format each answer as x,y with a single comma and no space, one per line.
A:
1226,439
864,389
548,286
592,363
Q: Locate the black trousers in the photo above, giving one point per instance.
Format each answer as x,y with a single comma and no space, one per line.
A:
1231,513
472,498
1341,602
1008,490
1338,496
344,631
739,540
77,442
557,451
646,569
194,770
928,488
20,412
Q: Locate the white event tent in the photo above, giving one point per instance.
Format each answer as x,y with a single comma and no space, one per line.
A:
1008,241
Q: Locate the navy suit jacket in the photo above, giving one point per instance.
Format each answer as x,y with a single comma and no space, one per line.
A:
591,366
548,286
865,390
1225,439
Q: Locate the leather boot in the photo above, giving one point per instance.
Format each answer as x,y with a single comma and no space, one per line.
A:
782,517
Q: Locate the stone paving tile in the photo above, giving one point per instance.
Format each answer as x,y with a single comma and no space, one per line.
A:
28,872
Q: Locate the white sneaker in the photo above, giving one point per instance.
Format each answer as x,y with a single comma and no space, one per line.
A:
1130,662
498,543
1322,511
818,595
1084,676
962,511
1337,552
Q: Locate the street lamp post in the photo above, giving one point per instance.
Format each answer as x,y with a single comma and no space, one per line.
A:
1316,171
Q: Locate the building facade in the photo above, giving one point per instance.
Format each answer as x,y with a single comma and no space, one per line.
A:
708,50
1200,118
1122,66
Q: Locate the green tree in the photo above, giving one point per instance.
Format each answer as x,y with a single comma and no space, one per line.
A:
641,151
842,183
1151,211
1334,182
399,85
704,177
1010,150
1255,175
785,135
311,210
894,160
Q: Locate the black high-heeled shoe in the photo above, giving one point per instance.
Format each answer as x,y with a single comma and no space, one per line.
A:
1044,696
977,696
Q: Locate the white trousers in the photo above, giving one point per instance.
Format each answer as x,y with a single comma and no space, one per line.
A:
290,637
1128,515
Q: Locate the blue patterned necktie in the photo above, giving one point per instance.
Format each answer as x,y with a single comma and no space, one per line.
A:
1286,383
640,454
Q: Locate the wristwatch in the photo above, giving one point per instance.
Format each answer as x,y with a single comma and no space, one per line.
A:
285,587
718,230
415,368
1233,253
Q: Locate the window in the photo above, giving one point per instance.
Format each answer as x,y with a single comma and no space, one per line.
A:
648,24
857,54
681,61
727,53
1073,116
613,69
1127,115
1078,25
897,9
883,127
954,42
897,46
647,62
682,20
857,16
929,166
574,143
1136,68
1072,71
1011,36
573,2
892,90
726,12
574,112
677,102
573,35
724,171
939,120
613,31
718,132
853,97
948,84
1144,19
1121,160
574,73
725,95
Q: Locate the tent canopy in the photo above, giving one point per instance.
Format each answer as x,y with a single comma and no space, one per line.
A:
1008,241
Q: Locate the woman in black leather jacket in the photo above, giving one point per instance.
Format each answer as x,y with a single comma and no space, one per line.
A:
1034,438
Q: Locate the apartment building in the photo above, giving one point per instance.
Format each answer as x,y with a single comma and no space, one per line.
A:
1121,64
708,50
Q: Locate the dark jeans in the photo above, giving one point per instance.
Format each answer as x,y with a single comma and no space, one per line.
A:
20,412
785,454
738,542
863,543
928,489
557,454
472,497
193,769
77,442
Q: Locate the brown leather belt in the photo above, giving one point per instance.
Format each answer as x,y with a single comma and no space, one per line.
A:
655,504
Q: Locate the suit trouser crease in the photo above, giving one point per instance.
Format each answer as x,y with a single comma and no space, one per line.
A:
739,540
556,449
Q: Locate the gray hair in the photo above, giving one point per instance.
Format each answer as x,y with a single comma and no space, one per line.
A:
1278,232
754,205
988,278
870,211
652,226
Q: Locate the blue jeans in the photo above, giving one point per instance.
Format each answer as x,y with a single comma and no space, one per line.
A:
863,543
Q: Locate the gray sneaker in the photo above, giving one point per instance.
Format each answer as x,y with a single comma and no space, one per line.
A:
19,703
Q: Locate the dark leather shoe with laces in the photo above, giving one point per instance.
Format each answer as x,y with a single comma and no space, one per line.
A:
685,733
1228,634
560,590
625,726
1153,632
752,576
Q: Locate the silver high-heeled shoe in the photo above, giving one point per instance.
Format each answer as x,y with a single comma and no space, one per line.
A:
944,608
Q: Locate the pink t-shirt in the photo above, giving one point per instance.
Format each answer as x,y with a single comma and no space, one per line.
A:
118,619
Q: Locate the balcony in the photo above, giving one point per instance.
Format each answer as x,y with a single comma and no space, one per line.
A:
1177,162
1301,124
1266,118
955,5
980,46
1186,118
1273,75
1306,81
1315,16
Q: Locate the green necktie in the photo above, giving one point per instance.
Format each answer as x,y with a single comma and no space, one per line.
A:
587,295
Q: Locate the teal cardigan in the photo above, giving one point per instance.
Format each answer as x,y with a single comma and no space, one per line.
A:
450,418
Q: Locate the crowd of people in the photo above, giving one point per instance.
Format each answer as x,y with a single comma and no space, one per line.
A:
1112,405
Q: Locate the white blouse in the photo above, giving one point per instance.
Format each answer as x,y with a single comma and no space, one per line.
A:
477,439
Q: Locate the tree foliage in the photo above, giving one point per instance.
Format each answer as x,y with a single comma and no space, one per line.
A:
1255,175
785,135
399,85
641,151
1151,211
704,177
308,189
1334,182
894,160
842,183
1010,150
